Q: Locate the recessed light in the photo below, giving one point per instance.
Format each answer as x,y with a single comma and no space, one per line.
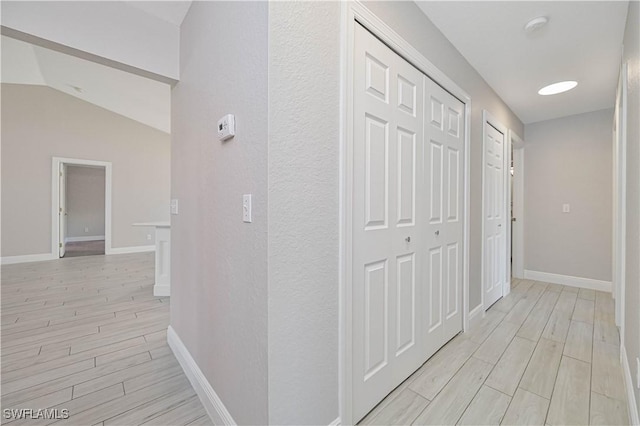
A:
535,24
555,88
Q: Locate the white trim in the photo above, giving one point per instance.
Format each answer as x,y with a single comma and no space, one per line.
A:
568,280
488,119
620,201
133,249
55,201
10,260
628,382
87,238
161,290
336,422
212,403
353,12
517,252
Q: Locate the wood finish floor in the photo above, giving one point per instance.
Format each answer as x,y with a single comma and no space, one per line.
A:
545,354
84,248
86,334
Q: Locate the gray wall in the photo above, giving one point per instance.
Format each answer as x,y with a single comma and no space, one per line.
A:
569,160
85,201
304,148
219,263
410,22
257,305
39,123
632,281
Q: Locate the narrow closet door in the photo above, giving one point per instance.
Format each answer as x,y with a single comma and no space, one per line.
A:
443,256
388,123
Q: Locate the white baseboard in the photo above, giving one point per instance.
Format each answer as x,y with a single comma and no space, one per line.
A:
161,290
568,280
135,249
86,238
336,422
212,403
10,260
475,315
628,381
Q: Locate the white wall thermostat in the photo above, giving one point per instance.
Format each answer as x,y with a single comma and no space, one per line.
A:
227,127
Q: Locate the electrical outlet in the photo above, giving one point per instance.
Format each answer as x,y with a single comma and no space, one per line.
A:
86,229
148,237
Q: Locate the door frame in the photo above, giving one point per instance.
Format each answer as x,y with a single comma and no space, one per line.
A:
55,199
517,151
620,201
353,13
490,120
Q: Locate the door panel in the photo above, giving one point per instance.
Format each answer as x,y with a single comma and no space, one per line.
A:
495,255
443,231
376,287
62,211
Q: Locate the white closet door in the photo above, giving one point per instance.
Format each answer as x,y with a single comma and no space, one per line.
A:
388,116
444,167
495,222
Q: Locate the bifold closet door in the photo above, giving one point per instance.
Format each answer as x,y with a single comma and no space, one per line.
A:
444,197
407,219
388,125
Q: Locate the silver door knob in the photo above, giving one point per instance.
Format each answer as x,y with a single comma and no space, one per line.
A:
499,225
438,232
408,239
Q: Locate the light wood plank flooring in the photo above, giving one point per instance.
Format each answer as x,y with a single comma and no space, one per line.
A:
87,335
545,354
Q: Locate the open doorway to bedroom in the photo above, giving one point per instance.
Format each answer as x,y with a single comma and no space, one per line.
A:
84,211
81,208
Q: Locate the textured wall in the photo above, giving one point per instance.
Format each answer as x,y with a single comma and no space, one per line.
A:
219,263
85,201
39,123
632,281
304,152
569,160
410,22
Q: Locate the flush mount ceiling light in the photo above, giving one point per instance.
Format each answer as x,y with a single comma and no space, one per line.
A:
535,24
555,88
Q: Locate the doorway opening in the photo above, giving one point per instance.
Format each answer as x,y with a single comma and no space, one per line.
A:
81,207
82,221
516,193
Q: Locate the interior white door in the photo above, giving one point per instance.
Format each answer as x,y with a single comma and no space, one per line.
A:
444,168
407,220
62,211
388,145
495,215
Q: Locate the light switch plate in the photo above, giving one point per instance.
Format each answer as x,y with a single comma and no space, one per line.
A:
246,208
566,208
174,206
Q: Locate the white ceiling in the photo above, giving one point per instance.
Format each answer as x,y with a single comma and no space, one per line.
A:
144,100
582,42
